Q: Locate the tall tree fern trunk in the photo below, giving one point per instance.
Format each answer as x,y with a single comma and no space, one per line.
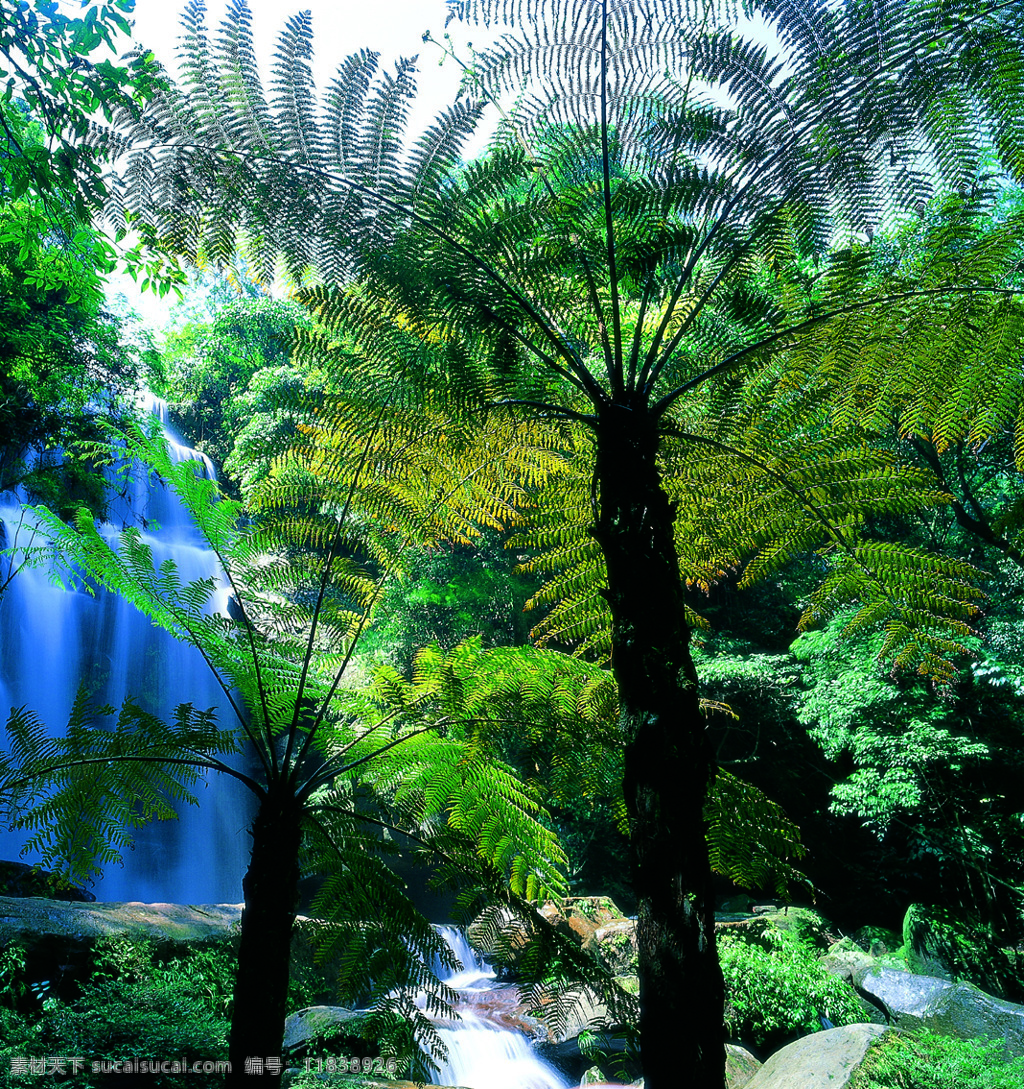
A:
668,762
271,888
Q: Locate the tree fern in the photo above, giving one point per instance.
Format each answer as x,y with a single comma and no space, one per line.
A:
631,250
331,769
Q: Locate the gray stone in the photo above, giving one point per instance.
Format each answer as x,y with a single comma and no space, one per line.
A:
315,1022
844,958
906,997
966,1011
24,917
950,1009
823,1060
740,1066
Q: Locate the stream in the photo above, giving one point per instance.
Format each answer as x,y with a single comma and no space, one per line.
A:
489,1047
485,1050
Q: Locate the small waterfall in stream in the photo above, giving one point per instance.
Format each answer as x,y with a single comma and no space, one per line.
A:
51,641
483,1051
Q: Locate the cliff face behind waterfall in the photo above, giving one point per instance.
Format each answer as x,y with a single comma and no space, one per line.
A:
52,641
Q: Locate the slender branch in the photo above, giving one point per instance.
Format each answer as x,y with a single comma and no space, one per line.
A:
570,414
332,555
634,355
615,377
979,524
651,370
328,777
209,763
263,747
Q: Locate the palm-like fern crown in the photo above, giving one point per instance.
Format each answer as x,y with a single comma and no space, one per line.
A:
653,187
665,202
647,159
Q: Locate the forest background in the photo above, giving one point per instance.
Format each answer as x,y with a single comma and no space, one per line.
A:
903,784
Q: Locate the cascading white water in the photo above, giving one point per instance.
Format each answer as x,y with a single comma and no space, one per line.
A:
52,640
481,1053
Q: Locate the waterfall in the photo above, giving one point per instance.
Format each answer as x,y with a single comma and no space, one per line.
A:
482,1053
52,640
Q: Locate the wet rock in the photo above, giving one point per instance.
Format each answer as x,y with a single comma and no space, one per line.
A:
26,917
740,1066
583,916
594,923
823,1060
944,1007
317,1024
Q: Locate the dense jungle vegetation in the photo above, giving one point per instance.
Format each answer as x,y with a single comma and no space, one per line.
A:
634,509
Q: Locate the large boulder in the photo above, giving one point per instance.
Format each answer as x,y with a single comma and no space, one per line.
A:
823,1060
582,917
944,1007
593,923
26,918
614,945
316,1026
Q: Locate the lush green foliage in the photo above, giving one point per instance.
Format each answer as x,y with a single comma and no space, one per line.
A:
925,1061
46,63
64,362
778,988
508,268
352,764
644,271
135,1006
448,594
222,376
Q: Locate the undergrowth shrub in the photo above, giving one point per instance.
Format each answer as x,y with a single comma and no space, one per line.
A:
776,988
135,1006
925,1061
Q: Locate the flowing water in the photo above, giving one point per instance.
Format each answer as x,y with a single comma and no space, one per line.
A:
484,1051
52,641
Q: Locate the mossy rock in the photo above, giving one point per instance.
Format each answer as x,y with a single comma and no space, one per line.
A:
878,941
801,924
937,943
844,958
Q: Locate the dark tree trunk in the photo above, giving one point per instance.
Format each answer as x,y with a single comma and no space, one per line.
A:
270,888
668,762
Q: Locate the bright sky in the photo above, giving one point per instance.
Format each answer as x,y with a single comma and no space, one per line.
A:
393,28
